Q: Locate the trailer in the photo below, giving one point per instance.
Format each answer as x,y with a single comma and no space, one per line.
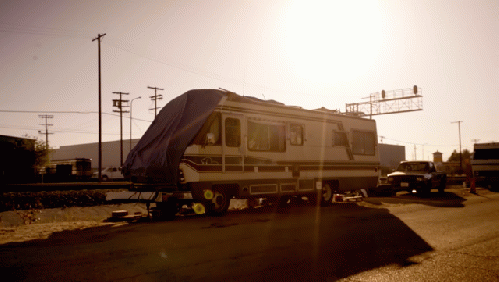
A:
485,164
207,147
66,170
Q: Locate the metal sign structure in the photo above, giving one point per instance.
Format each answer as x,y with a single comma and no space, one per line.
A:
388,102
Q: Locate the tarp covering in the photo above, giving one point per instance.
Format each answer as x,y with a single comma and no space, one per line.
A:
157,155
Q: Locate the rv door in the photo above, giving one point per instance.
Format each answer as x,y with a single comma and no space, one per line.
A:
232,143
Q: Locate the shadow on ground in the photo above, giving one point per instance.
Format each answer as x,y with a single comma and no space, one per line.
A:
453,198
295,242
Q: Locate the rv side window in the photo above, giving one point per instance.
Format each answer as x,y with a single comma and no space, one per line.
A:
363,143
340,138
296,134
232,132
266,137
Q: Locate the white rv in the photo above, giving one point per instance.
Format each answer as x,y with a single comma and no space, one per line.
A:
212,145
485,164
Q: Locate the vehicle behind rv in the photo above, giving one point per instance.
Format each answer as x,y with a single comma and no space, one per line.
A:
208,146
485,164
67,170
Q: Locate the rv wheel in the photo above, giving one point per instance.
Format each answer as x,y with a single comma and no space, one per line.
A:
220,203
327,194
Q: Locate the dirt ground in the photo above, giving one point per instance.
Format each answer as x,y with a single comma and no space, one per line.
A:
25,225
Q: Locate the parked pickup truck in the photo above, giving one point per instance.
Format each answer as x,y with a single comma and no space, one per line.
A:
421,176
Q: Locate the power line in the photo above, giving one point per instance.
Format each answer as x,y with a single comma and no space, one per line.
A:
65,112
208,74
57,130
36,30
419,144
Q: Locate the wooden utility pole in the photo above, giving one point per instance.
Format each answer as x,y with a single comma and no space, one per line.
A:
460,154
120,103
46,117
155,98
98,38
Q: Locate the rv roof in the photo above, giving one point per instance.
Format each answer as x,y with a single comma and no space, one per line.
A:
232,96
486,145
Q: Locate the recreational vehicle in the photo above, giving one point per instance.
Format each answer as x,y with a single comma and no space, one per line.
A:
208,146
485,164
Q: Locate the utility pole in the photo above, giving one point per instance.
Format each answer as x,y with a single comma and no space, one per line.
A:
155,98
100,110
460,155
46,117
120,103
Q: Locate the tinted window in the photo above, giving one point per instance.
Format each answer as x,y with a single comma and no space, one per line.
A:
266,137
340,138
486,154
363,143
232,132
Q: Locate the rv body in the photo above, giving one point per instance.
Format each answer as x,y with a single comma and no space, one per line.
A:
250,148
485,164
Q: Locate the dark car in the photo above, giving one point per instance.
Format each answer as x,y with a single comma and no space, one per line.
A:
421,176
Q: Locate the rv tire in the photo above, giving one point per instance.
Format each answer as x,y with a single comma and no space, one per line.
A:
220,203
327,194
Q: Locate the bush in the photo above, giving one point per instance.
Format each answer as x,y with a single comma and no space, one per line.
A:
51,199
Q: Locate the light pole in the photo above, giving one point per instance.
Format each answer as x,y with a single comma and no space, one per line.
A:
460,156
131,121
100,109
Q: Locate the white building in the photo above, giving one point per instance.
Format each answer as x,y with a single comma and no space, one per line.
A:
110,152
390,155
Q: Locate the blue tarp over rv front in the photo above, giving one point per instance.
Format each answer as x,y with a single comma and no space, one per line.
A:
157,155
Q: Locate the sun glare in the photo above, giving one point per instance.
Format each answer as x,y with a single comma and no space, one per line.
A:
332,40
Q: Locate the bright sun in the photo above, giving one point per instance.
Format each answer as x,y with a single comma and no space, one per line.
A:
332,40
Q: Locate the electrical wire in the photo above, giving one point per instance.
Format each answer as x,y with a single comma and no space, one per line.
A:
67,112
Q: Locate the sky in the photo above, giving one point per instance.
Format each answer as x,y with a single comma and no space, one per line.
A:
303,53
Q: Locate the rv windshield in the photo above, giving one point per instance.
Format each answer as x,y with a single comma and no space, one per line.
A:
210,133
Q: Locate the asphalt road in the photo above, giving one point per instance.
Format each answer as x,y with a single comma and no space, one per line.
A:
451,237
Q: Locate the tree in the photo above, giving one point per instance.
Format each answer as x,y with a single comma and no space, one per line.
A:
454,157
22,158
38,153
465,161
